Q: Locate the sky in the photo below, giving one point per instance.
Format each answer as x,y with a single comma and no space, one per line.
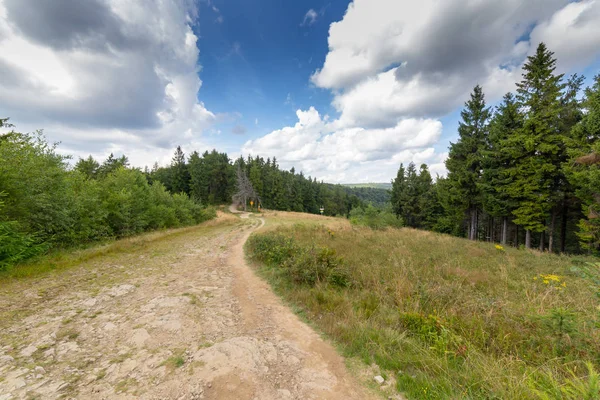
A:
343,90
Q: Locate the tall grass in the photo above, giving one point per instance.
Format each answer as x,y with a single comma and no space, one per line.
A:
446,317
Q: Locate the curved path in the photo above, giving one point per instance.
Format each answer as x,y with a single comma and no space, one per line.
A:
168,316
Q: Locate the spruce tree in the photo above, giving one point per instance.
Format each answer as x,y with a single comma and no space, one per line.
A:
506,121
584,168
464,161
536,147
398,187
180,176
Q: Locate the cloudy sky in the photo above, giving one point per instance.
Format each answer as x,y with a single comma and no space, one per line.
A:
344,91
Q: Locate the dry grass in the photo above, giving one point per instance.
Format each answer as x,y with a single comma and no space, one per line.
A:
450,318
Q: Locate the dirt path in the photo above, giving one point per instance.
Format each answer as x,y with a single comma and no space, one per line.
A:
181,317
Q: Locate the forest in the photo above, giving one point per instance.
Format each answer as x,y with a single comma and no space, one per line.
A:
526,173
46,202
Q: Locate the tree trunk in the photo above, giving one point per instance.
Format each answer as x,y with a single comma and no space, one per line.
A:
504,230
542,238
527,239
551,233
472,233
563,224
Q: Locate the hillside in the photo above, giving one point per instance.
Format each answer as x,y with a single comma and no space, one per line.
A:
378,196
381,185
443,317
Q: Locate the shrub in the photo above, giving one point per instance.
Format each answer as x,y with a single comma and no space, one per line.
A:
374,218
307,265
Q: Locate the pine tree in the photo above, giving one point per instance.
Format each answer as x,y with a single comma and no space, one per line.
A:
410,197
398,187
506,121
111,164
180,176
89,167
584,169
536,147
427,201
464,161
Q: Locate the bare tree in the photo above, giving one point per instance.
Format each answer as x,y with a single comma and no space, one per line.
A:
244,189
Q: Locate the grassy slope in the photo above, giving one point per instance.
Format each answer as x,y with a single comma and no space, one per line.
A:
449,318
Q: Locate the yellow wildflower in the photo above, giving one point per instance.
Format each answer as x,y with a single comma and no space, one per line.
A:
499,247
535,278
564,284
546,281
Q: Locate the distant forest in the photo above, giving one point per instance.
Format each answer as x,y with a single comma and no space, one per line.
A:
210,178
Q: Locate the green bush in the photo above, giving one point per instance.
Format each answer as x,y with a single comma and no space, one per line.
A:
374,218
303,265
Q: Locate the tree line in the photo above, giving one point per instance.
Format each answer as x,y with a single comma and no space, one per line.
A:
45,203
212,178
526,172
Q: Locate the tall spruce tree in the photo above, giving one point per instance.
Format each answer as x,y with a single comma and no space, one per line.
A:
464,161
180,176
398,188
506,121
536,147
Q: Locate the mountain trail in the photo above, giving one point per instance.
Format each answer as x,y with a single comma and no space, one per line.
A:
177,316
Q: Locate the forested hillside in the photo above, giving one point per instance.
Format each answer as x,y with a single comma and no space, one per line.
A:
525,173
210,178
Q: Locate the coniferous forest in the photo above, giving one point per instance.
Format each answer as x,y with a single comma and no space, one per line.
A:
524,173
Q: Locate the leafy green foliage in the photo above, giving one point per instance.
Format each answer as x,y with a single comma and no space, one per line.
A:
374,218
307,265
46,204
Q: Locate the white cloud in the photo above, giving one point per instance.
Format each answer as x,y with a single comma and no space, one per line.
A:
572,33
101,75
396,66
431,38
342,155
390,59
310,17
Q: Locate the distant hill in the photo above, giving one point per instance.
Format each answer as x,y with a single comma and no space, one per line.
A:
376,193
381,185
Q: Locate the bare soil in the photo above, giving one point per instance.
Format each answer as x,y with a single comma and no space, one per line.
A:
179,317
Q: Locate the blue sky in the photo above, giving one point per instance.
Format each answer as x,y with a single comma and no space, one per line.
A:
258,61
342,90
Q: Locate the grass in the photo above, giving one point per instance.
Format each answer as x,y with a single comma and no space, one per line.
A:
62,259
175,361
446,317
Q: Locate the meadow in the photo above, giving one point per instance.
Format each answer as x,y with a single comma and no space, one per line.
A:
443,317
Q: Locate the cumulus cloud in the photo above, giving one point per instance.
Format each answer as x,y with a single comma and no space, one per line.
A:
390,60
126,72
394,64
573,33
429,38
341,155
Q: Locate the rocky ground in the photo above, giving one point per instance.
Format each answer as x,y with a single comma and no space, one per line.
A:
178,316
